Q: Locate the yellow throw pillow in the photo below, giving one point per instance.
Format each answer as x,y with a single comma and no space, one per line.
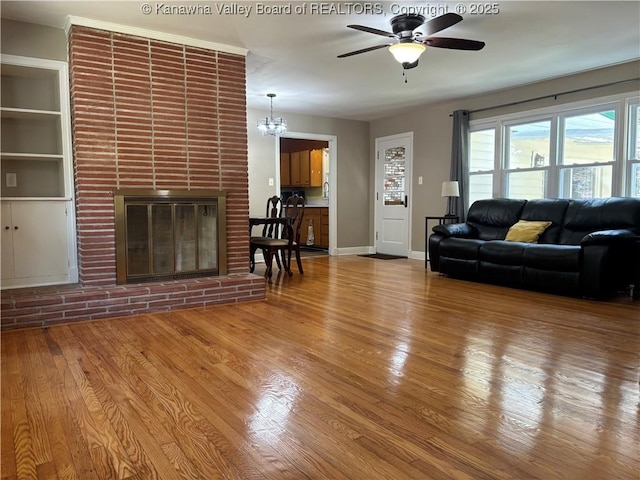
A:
526,231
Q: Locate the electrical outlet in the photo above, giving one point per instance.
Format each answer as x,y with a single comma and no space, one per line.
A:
420,180
11,180
271,182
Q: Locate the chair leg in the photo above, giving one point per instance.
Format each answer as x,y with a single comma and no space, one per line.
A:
268,260
288,263
299,261
252,258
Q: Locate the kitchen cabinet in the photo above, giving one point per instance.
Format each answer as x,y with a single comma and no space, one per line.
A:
36,180
301,169
285,169
319,217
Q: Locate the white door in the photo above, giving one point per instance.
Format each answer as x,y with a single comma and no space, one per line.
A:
394,156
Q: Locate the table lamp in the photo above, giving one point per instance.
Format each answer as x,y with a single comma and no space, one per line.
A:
450,189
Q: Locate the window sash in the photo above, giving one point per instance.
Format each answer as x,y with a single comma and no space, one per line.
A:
621,171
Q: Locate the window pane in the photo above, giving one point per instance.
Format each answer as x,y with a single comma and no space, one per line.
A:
529,145
527,185
482,150
586,182
634,132
635,180
480,187
589,138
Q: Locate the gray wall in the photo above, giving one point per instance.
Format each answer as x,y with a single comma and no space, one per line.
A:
432,126
30,40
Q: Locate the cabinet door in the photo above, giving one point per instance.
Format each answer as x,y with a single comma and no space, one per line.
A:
285,170
295,168
316,168
305,170
7,242
40,244
324,230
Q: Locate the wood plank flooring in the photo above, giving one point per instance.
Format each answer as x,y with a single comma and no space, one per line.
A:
360,369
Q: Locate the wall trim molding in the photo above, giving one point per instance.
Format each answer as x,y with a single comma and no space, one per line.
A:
152,34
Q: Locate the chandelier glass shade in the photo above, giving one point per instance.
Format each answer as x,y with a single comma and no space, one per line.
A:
272,125
407,52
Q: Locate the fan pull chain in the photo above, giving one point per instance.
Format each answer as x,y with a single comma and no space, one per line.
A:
405,75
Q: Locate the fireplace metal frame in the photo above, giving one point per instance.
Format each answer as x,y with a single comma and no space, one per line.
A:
121,196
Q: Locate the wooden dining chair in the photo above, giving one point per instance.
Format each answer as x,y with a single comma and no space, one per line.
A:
294,209
289,239
269,230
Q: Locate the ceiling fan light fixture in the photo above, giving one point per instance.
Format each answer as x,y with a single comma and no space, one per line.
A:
272,125
407,52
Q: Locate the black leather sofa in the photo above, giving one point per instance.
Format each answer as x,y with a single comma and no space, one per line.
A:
588,250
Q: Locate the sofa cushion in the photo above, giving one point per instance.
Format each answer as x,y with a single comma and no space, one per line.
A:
547,209
553,257
526,231
502,252
462,248
493,217
591,215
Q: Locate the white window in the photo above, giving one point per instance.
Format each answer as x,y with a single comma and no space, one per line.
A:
633,149
588,154
573,152
482,164
527,153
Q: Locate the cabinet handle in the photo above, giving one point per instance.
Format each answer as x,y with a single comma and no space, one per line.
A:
7,227
16,227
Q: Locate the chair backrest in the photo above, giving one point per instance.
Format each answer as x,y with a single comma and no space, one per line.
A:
274,210
294,211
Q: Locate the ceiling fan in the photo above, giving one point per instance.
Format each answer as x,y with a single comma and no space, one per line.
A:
409,44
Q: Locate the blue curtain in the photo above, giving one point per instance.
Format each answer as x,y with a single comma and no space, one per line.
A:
460,161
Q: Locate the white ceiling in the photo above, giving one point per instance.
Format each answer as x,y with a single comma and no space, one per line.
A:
294,55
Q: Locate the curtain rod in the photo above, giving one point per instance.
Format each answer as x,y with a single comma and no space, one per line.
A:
554,96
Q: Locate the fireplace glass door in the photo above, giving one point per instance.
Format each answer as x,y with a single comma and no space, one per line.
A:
171,239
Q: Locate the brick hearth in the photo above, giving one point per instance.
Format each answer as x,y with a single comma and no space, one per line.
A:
154,115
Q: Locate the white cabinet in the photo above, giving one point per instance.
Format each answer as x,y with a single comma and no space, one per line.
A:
36,180
34,243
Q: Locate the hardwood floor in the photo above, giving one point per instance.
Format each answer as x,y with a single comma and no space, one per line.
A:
360,369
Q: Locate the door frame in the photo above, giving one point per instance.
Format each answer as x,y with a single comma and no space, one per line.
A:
333,179
378,184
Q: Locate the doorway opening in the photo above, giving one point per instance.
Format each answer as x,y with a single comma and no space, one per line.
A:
307,167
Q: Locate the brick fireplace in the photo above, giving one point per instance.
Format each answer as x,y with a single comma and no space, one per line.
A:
147,114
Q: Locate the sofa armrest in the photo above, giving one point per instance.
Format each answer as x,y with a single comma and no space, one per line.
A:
608,237
461,230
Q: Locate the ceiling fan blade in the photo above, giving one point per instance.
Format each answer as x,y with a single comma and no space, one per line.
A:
375,31
356,52
440,23
453,43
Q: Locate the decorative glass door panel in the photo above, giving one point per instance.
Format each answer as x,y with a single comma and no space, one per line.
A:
394,176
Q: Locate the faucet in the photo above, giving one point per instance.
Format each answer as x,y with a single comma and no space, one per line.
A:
325,190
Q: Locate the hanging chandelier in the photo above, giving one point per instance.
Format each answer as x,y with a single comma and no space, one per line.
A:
272,125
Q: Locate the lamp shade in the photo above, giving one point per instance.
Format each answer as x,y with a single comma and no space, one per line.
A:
450,189
407,52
